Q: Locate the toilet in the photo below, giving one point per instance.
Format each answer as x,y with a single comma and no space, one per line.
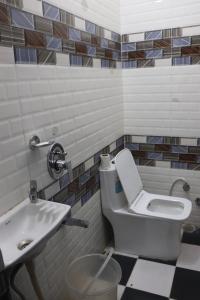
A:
144,224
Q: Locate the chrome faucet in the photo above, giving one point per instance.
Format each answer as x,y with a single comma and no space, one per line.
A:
186,186
33,191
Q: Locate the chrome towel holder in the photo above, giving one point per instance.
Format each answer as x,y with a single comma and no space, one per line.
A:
35,143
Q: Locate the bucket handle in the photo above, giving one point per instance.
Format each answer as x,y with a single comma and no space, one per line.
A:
89,285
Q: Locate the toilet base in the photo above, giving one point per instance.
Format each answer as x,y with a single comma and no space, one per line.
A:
141,236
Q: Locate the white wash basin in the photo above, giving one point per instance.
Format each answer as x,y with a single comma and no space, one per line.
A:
31,222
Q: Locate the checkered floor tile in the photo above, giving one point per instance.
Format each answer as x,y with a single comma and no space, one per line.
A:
148,279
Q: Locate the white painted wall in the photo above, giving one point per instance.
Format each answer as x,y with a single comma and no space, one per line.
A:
147,15
103,13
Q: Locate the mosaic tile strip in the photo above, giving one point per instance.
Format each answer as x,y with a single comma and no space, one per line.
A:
161,44
56,31
179,151
83,183
60,31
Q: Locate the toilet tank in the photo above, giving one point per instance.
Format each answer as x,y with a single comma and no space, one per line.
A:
112,195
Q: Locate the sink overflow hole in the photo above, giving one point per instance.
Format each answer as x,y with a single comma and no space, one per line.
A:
23,244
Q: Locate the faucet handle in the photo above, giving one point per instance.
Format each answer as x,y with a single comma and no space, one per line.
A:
60,164
56,161
33,185
62,155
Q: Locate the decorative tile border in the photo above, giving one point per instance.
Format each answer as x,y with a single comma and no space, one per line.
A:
56,32
173,152
178,46
59,31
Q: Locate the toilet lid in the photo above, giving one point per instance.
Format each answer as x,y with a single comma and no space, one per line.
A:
128,175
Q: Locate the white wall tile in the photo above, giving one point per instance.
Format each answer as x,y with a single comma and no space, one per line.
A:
106,13
62,59
52,190
162,101
118,64
163,62
80,23
6,55
89,163
188,142
34,6
96,63
137,37
191,30
163,164
139,16
107,34
112,146
138,139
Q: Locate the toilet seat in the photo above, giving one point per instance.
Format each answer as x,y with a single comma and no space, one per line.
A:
160,206
143,203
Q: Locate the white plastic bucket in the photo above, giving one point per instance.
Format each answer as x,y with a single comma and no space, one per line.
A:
82,270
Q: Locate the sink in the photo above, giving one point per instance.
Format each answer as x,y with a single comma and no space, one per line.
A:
25,229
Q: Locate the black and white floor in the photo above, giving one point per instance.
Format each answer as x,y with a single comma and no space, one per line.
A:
145,279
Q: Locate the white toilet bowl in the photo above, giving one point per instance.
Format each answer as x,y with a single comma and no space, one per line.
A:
144,224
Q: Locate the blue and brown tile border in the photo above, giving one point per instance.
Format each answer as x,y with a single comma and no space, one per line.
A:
149,151
39,39
173,152
146,49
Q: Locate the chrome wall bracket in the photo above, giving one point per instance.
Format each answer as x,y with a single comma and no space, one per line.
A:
56,162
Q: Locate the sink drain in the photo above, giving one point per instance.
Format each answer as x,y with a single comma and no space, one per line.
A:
23,244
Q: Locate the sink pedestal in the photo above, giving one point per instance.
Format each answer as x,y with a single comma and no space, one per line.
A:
31,271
